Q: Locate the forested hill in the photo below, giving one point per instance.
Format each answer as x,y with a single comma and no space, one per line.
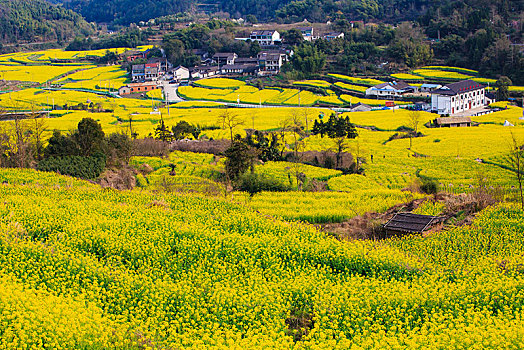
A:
127,11
38,20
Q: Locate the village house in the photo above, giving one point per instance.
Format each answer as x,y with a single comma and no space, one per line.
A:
132,55
458,97
201,53
150,71
265,37
270,62
333,36
489,98
135,88
180,73
223,58
307,33
163,64
390,90
240,69
427,87
203,72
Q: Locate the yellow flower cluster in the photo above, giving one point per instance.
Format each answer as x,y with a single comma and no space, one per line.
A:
83,267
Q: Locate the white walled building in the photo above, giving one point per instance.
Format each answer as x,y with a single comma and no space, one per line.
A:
180,73
390,90
265,37
458,97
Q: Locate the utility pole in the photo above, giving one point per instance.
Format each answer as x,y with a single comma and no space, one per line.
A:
167,103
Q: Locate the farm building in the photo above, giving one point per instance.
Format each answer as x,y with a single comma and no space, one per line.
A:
411,223
132,55
452,122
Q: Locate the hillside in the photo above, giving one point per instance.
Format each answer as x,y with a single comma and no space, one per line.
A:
127,11
82,267
38,21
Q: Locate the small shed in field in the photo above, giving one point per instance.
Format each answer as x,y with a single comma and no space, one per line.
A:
453,122
411,223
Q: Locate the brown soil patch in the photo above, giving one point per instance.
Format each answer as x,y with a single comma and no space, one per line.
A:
459,210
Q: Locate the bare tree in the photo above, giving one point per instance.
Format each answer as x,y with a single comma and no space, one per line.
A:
413,123
230,120
306,113
516,160
296,128
37,126
283,127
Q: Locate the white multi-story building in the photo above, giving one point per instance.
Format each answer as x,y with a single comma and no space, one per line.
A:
265,37
458,97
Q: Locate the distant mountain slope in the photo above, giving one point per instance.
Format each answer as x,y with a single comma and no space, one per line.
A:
38,20
127,11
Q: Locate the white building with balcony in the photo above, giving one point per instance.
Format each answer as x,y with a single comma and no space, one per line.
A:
265,37
458,97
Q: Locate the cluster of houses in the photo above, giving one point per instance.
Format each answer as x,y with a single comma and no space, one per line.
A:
460,99
269,61
268,38
155,69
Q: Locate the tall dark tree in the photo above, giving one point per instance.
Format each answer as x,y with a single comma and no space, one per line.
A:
292,37
503,84
89,137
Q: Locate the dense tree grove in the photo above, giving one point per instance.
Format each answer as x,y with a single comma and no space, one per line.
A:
38,20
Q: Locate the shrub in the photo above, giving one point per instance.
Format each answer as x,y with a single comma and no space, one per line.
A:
429,186
77,166
255,183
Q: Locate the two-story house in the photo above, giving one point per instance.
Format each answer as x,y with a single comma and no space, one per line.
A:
458,97
265,37
223,58
138,72
270,62
307,33
151,71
